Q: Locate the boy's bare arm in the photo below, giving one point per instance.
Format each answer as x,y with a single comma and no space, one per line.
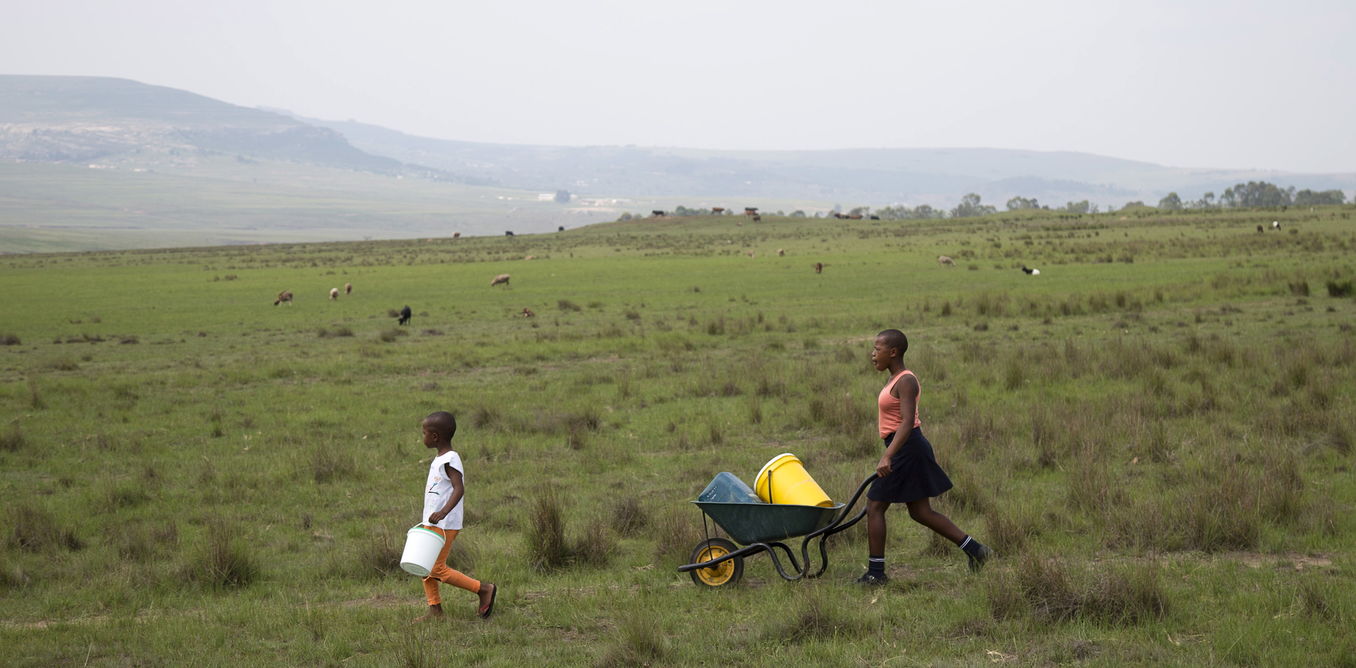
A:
458,490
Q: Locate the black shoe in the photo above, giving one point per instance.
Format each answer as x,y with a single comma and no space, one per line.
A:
873,580
979,557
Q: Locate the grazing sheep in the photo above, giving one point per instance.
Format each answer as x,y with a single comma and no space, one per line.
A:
502,278
750,253
284,296
945,261
404,315
1275,224
1260,229
527,313
781,252
348,288
1030,272
819,267
334,294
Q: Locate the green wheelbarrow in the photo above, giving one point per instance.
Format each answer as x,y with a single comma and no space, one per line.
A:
761,527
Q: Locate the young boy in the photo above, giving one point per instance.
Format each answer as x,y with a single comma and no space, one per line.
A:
442,513
908,470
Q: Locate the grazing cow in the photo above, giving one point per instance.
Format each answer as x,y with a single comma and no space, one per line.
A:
657,213
1261,230
527,313
750,210
284,296
404,315
945,261
456,235
819,267
855,216
781,252
1275,224
560,229
717,210
757,218
334,294
1030,272
348,288
502,278
508,233
875,217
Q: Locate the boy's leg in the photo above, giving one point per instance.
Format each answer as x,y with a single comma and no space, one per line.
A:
921,511
442,573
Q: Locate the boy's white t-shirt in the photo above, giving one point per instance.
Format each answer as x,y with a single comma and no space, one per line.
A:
439,489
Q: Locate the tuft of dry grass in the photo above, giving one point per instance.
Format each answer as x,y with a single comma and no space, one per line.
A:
546,547
13,440
1049,592
639,643
815,618
629,516
33,529
224,562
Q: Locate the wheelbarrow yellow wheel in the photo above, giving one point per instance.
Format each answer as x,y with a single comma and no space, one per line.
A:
724,573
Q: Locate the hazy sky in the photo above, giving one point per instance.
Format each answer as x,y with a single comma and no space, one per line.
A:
1234,84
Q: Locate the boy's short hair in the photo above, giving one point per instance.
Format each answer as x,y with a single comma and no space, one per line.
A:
444,423
895,339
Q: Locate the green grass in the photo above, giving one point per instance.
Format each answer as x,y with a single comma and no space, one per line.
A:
1154,435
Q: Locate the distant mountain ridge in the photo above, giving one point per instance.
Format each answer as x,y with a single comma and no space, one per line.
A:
93,119
847,176
120,122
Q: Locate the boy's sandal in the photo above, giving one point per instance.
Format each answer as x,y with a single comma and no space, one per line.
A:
488,609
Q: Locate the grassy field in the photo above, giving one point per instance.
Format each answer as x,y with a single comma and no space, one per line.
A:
1155,435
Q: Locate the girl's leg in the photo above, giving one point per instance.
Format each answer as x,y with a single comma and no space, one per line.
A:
921,511
875,526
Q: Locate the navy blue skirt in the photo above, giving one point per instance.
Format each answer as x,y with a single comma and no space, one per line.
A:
914,473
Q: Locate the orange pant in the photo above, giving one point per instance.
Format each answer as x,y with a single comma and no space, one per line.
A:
441,573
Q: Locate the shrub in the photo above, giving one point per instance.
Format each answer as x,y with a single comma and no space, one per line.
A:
390,335
1339,289
567,305
9,340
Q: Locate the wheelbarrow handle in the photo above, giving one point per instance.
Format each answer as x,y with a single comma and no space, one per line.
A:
832,528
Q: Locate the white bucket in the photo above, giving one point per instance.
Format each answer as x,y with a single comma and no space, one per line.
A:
422,546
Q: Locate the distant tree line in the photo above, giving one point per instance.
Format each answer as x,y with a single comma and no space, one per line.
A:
1239,196
1255,194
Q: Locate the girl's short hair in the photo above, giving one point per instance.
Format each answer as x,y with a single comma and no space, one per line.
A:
895,339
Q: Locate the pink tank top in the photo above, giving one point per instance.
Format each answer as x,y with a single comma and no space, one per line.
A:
888,419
